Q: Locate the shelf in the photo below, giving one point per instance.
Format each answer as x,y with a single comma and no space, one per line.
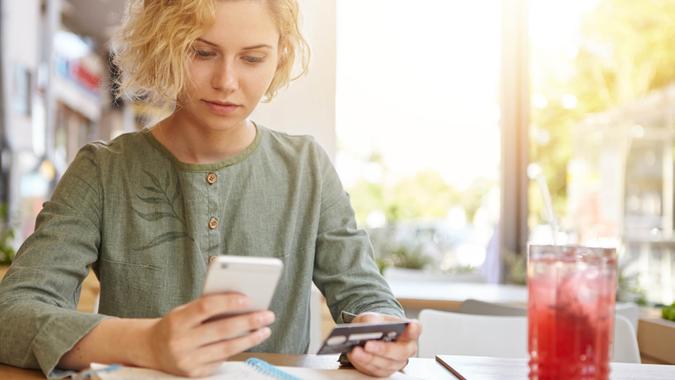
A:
77,98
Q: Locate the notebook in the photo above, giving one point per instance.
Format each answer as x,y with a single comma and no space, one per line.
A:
251,369
481,368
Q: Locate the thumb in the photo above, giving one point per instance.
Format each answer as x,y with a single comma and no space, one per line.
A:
412,331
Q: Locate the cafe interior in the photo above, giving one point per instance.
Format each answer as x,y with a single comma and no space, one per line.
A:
511,161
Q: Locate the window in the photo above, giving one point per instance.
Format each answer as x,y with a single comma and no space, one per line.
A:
603,94
418,127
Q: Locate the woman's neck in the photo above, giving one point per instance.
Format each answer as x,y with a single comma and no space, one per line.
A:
194,144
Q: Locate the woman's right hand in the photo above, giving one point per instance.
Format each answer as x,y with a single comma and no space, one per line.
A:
186,342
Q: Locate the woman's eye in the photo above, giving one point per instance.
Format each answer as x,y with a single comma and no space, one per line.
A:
204,53
251,59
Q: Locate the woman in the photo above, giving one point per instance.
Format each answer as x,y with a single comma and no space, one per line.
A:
148,209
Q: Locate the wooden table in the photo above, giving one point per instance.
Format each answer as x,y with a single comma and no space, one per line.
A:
471,367
419,368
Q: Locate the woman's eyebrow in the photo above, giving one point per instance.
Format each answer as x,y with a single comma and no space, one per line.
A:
207,42
253,47
261,46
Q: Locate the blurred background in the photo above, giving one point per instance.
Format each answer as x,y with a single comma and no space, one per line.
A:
443,119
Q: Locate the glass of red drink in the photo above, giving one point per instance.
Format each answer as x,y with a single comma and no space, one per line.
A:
571,292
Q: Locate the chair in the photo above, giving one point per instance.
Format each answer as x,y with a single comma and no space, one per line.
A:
500,336
625,346
314,319
629,310
477,335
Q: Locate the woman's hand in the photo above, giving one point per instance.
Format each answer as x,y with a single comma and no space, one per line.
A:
382,359
186,343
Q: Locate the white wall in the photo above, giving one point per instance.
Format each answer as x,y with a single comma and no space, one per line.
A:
21,43
20,49
308,105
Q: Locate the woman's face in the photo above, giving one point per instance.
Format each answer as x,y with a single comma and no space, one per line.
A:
233,65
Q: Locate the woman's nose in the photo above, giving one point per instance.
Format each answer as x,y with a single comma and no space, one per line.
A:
225,78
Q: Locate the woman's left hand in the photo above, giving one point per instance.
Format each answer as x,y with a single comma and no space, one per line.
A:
380,358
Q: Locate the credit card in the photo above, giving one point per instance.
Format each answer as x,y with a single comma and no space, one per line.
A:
344,337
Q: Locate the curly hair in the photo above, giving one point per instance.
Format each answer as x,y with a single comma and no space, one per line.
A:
154,45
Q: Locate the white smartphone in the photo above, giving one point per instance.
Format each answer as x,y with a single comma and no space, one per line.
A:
256,277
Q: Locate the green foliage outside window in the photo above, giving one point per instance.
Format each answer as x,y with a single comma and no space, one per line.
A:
426,196
625,53
668,312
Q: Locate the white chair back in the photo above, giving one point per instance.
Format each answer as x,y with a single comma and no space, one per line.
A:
629,310
625,345
314,319
478,335
446,333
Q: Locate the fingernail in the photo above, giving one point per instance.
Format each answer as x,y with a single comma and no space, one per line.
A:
265,332
266,318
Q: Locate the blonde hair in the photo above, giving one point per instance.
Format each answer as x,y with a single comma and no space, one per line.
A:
153,47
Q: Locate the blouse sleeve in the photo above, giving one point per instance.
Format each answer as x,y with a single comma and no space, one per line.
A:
344,269
39,322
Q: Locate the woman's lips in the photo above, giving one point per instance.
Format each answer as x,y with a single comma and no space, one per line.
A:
219,108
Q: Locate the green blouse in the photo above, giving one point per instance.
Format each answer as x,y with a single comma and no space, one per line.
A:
147,224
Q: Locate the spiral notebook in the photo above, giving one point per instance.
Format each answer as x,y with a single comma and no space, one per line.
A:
251,369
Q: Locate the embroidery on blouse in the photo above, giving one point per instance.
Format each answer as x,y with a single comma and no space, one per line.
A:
161,196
